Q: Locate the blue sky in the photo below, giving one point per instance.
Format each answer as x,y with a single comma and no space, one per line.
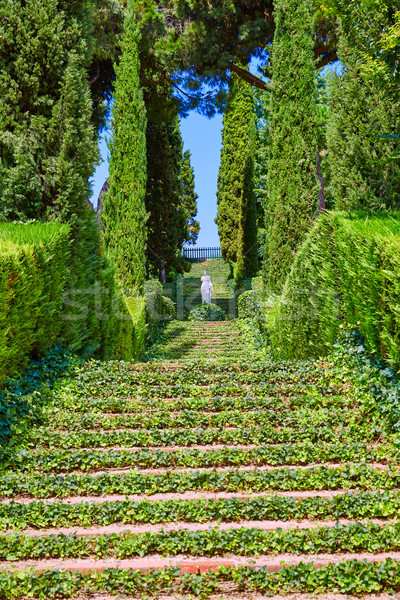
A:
202,136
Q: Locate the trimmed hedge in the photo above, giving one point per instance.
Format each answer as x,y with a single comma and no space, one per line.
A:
37,309
33,275
347,273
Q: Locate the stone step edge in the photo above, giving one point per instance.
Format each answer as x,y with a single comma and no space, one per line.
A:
135,529
192,565
123,471
176,496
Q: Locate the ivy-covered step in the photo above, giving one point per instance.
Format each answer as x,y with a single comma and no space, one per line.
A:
198,564
195,436
336,416
194,580
203,507
347,538
274,403
245,479
270,455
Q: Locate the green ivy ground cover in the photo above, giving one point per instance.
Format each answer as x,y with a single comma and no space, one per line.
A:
351,505
282,454
351,577
355,537
321,426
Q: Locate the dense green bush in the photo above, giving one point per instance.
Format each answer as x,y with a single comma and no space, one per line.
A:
251,308
361,146
158,307
33,274
207,312
132,329
346,273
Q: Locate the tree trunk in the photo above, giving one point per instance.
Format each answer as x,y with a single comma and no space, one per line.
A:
162,272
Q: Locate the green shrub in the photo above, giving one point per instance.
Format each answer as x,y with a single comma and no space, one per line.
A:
132,331
207,312
158,307
249,306
33,275
346,273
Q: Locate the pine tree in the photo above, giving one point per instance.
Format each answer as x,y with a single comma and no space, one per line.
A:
236,219
363,138
189,197
168,217
292,192
125,216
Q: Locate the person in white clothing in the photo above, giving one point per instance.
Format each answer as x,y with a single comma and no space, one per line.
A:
206,288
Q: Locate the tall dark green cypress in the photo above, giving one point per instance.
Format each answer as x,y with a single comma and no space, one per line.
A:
363,136
189,197
125,216
237,215
292,178
168,217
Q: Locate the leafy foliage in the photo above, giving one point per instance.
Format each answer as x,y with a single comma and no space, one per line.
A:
48,145
356,577
158,307
375,30
22,398
33,275
362,137
355,537
249,306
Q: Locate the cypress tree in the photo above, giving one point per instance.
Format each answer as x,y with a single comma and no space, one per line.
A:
237,215
260,167
124,214
292,191
168,217
363,136
189,197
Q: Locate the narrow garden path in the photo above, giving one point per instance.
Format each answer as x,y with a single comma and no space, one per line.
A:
205,456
